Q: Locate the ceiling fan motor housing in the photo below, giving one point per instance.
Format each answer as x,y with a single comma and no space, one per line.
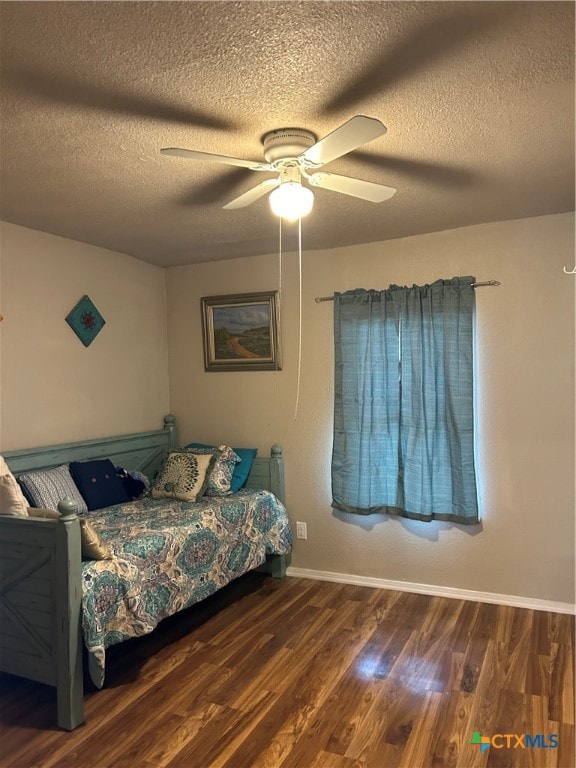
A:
286,143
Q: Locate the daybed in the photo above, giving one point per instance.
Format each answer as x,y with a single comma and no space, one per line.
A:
166,556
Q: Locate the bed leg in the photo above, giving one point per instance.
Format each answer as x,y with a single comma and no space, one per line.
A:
69,680
276,565
279,565
70,697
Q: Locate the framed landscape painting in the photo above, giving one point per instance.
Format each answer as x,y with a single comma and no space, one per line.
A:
241,332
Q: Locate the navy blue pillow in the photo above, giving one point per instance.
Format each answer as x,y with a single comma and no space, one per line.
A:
97,482
241,470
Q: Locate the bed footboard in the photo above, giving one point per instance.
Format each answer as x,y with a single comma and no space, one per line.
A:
40,605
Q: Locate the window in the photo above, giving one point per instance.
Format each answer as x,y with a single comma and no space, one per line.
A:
403,409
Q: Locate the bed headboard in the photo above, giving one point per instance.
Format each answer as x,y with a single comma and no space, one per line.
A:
144,451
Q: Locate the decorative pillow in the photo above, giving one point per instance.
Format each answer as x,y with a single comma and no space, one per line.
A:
12,501
4,468
133,482
183,476
13,498
93,547
135,475
98,484
241,469
220,475
47,487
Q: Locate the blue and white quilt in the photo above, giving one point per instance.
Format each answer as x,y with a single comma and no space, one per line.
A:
169,555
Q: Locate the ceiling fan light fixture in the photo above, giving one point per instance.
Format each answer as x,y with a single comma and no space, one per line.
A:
291,200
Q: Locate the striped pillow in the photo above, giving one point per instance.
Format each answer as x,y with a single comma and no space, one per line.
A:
47,487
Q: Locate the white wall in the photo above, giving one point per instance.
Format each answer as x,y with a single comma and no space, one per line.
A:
525,375
52,388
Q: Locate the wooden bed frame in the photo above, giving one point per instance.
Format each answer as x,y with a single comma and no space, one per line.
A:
41,564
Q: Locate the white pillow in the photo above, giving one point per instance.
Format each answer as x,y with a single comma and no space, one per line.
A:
4,468
11,496
12,500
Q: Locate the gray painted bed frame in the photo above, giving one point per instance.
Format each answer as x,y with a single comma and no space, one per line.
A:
41,564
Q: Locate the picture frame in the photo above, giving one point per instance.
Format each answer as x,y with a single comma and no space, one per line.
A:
241,332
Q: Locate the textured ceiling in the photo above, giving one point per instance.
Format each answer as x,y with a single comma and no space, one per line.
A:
478,99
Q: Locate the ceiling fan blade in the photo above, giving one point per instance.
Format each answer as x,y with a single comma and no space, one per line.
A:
253,194
367,190
196,155
354,133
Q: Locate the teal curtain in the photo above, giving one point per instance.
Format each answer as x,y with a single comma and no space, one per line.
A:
403,402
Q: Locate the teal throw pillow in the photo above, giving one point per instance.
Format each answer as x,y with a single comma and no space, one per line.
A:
241,470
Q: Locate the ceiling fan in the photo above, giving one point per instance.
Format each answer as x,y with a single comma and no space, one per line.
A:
294,154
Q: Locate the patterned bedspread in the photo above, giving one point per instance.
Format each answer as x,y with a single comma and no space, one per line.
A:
169,555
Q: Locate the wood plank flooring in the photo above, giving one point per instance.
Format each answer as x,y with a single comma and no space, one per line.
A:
306,674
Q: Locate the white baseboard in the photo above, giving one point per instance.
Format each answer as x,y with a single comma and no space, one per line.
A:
515,601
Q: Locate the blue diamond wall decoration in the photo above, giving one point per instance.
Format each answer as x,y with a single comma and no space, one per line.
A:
85,321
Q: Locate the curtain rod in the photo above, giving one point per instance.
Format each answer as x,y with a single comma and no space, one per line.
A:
318,299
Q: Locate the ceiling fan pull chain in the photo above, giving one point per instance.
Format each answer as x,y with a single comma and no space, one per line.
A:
280,264
299,317
279,299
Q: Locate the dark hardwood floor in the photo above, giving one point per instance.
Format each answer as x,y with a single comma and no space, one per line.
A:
308,674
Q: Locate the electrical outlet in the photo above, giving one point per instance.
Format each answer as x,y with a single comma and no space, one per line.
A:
301,531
